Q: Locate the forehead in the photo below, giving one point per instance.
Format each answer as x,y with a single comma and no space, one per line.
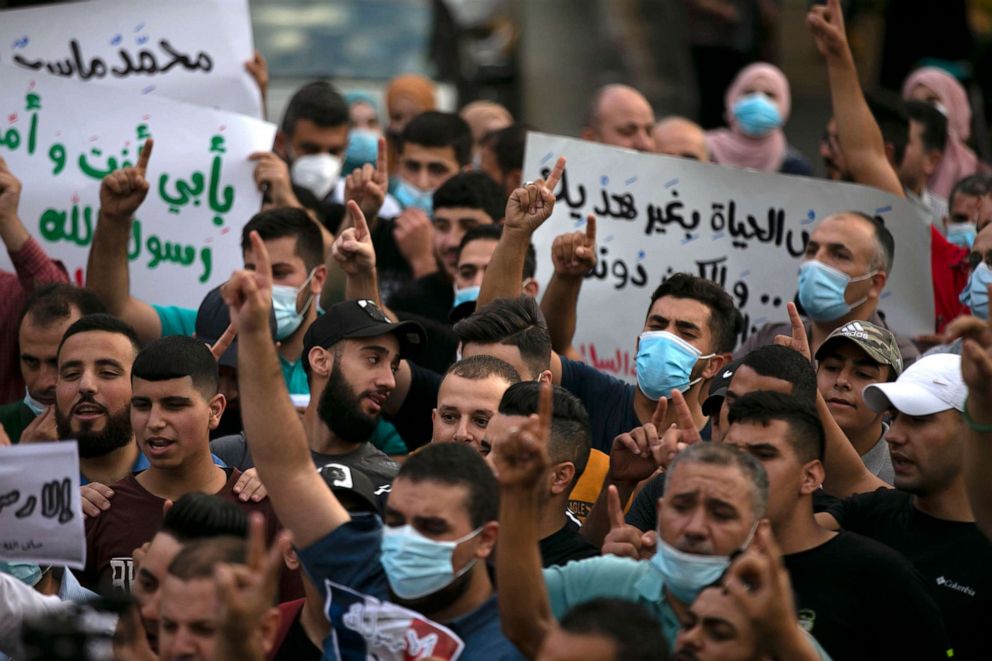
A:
850,231
846,350
776,432
761,83
192,600
746,380
725,483
161,553
48,336
455,214
505,352
430,499
358,344
678,138
305,130
478,252
281,251
681,309
483,393
625,106
713,603
423,154
97,345
964,204
181,387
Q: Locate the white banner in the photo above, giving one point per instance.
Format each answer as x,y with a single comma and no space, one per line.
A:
41,516
60,138
744,230
190,50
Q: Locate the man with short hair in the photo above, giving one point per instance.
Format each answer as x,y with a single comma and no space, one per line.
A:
678,136
927,516
48,312
924,149
474,254
828,570
620,116
468,400
502,156
853,357
605,630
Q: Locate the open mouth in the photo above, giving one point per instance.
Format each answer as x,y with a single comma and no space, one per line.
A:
376,399
900,464
157,446
88,411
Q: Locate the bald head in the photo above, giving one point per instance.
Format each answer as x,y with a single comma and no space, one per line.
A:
622,117
678,136
485,116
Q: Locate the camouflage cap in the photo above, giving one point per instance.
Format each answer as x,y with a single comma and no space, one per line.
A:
879,343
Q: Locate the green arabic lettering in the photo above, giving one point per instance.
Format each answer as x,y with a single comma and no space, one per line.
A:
52,224
33,103
186,190
218,205
56,153
134,241
141,130
87,225
93,172
11,139
154,246
207,258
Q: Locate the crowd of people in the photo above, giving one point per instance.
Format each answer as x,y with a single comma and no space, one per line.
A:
378,439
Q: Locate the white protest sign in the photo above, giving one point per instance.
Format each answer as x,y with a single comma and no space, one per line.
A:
60,138
745,230
41,516
190,50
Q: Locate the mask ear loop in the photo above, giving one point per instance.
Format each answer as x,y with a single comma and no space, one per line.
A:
738,552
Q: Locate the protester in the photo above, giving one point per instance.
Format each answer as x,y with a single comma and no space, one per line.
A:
484,117
605,630
619,115
927,138
501,156
406,97
678,136
757,106
469,399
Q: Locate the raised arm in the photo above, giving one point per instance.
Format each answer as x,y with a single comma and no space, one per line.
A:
526,210
107,270
278,443
522,462
33,266
976,368
860,138
573,255
367,186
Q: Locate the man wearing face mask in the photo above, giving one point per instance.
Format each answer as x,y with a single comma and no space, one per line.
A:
848,259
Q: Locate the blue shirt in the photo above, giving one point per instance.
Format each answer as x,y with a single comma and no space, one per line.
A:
350,556
609,401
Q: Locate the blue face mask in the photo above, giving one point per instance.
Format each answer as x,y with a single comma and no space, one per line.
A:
664,364
961,234
409,195
687,574
417,566
25,572
976,292
36,407
822,289
363,148
465,295
757,115
288,319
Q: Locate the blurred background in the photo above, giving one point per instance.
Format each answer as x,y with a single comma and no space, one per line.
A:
543,59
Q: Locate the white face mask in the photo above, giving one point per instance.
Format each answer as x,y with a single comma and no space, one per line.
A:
318,173
288,319
36,407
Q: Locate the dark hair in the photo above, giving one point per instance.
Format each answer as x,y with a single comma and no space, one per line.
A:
508,145
629,625
457,465
439,129
885,243
177,356
199,515
571,432
778,362
720,454
493,233
483,367
200,558
934,124
515,322
54,302
472,190
725,321
890,115
319,102
101,322
288,221
763,407
975,185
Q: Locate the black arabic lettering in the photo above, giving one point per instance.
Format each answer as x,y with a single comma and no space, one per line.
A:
145,62
27,509
574,205
10,498
56,500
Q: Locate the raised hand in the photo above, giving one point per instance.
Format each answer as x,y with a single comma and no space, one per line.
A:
122,191
353,249
273,179
798,340
520,455
368,185
625,540
632,458
42,428
248,294
574,253
530,205
414,234
10,193
826,24
258,69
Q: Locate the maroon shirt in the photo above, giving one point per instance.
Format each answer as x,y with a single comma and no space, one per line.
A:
135,515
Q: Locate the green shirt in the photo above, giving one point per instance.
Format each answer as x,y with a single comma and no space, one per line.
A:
176,320
14,417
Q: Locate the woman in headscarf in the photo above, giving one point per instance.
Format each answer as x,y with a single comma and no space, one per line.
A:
939,88
406,97
757,105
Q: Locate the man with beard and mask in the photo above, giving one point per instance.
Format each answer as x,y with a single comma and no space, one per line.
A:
349,382
174,404
430,557
48,312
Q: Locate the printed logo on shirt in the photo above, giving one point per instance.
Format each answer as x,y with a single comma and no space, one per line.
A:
954,585
122,573
807,618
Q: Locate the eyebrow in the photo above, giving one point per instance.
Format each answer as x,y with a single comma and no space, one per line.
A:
100,362
686,325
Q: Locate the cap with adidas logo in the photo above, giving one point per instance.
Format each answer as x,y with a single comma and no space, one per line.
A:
879,343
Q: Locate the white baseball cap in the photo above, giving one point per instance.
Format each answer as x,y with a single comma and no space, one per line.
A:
930,385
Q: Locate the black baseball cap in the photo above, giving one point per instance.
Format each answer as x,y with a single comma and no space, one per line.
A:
718,390
352,487
362,318
213,318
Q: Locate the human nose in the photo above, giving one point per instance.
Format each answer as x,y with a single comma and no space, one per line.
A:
386,380
843,380
156,421
87,382
896,434
461,432
643,141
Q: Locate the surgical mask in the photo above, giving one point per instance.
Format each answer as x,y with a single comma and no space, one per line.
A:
417,566
687,574
465,295
363,148
961,234
409,195
318,173
976,292
757,115
36,407
25,572
284,305
822,289
664,364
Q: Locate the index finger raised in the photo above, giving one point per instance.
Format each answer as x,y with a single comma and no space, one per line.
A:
358,220
544,409
224,341
615,508
256,541
591,228
263,265
660,411
682,413
146,154
381,158
556,173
